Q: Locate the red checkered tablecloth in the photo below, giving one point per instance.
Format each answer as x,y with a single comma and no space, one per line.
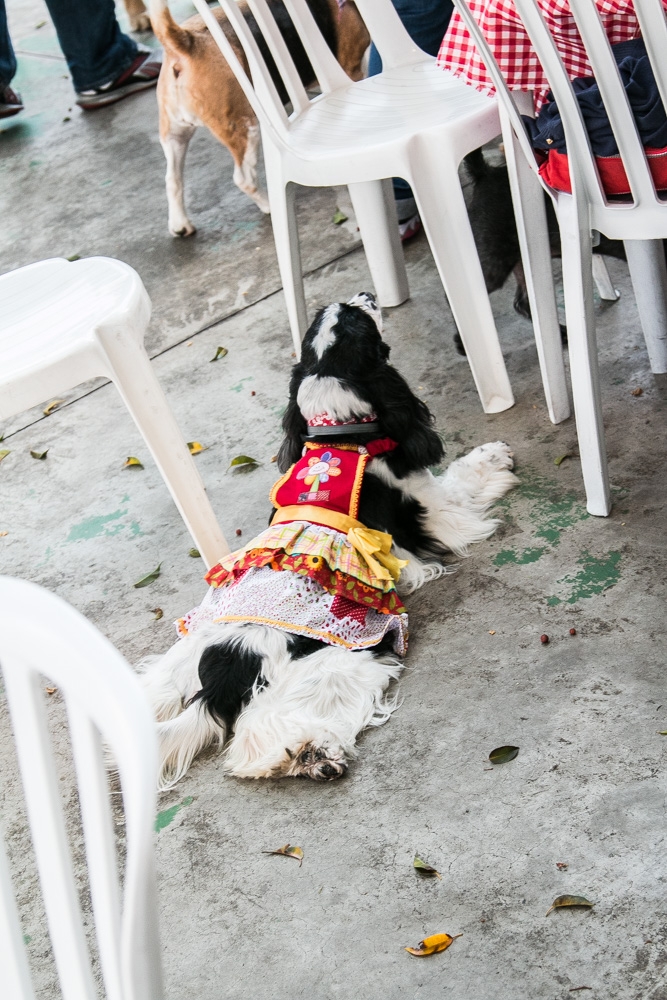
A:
512,48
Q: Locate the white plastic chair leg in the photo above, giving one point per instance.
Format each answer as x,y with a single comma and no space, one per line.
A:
375,211
603,282
435,182
15,971
531,223
646,260
582,347
131,372
286,237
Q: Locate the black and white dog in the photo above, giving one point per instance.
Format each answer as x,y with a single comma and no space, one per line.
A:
287,704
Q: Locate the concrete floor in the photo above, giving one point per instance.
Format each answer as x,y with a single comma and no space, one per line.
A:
587,787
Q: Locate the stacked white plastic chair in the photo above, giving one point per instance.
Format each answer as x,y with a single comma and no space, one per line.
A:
413,121
62,323
43,637
641,224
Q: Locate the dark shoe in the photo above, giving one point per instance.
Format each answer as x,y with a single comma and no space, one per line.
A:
141,75
10,103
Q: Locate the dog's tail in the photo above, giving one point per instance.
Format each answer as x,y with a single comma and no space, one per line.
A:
169,33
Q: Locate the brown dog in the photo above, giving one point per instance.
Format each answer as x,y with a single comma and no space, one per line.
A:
197,87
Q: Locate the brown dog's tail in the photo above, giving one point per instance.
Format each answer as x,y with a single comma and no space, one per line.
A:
170,34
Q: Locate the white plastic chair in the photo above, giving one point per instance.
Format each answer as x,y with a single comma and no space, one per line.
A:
641,224
40,634
413,121
62,323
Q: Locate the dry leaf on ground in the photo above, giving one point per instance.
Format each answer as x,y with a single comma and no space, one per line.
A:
132,463
424,868
220,353
39,454
158,612
196,446
243,463
287,851
501,755
48,410
4,452
195,553
561,866
560,901
433,944
561,458
339,217
50,690
149,578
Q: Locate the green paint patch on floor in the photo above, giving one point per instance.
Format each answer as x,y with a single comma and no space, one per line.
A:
94,527
595,576
239,386
167,816
550,509
509,556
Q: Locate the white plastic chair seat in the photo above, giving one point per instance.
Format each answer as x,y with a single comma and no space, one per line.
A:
384,112
63,323
51,311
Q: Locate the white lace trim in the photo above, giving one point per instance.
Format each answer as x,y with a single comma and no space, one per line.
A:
296,604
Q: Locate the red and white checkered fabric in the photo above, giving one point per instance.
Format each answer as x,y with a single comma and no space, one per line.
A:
512,48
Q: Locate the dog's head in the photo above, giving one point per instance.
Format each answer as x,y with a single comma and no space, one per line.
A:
344,378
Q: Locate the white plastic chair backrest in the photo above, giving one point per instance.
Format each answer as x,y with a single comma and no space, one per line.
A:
258,87
583,171
394,44
40,634
390,38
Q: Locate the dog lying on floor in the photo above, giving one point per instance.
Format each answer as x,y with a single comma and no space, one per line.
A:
197,87
303,630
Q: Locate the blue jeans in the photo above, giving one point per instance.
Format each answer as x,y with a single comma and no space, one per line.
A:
96,50
426,22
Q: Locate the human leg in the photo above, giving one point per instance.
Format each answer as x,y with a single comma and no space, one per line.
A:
10,101
105,64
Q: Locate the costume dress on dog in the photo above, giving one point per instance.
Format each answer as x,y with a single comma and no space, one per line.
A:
316,570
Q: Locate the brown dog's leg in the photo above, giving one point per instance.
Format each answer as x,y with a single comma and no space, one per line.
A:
175,140
138,15
242,140
353,40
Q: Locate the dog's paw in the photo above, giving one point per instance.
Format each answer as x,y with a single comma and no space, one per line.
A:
262,203
318,763
496,453
182,228
140,22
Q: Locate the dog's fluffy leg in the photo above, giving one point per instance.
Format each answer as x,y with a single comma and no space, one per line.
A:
305,723
170,681
482,476
456,503
175,143
182,739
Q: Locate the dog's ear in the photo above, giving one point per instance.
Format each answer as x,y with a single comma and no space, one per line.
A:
407,420
294,425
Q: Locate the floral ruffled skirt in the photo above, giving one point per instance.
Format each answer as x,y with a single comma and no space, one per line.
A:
308,580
